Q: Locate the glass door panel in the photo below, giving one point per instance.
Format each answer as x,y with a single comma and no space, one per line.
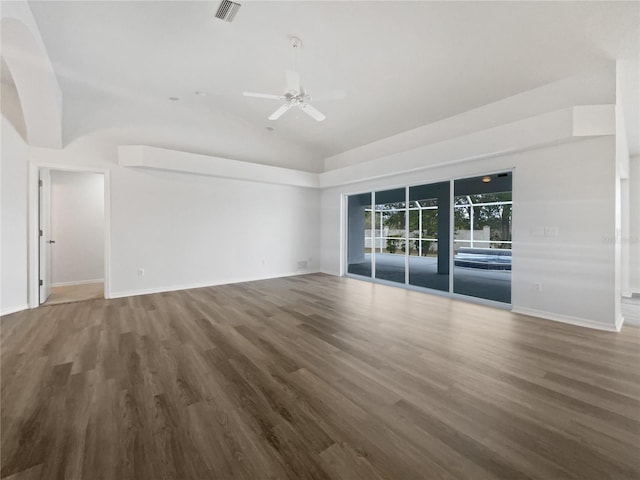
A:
359,234
390,235
429,236
482,237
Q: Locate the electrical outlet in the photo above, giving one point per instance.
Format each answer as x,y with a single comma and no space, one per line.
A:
141,272
538,286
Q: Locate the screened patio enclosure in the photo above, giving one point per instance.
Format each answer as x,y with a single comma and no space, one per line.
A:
452,236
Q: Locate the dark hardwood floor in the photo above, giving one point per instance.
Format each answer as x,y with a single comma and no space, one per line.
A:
313,377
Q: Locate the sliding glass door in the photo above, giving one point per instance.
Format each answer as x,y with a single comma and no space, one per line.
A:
482,237
390,235
359,234
429,236
404,235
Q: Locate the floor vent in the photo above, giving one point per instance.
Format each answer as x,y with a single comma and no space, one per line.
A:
227,10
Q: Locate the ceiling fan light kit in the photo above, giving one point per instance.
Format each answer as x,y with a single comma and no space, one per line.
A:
295,95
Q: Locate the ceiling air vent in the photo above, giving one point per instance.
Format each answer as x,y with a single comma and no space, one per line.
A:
227,10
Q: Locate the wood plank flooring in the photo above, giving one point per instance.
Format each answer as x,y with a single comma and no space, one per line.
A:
75,293
313,377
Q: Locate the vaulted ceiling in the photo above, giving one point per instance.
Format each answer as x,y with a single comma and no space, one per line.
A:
400,65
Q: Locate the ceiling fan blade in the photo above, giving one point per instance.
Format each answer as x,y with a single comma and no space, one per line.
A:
293,81
328,96
279,112
312,112
263,95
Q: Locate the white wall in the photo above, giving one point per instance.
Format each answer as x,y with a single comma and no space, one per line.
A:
569,186
77,226
597,88
634,224
26,56
187,230
13,237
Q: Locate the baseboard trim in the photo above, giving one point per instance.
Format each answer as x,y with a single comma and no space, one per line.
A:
335,273
81,282
173,288
630,307
15,309
580,322
632,321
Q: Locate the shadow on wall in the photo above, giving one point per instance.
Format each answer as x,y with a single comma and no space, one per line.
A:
26,67
10,104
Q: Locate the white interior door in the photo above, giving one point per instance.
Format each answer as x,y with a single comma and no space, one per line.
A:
44,219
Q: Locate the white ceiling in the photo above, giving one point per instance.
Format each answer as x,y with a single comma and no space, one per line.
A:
401,65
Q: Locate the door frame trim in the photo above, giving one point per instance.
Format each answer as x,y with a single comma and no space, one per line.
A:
33,227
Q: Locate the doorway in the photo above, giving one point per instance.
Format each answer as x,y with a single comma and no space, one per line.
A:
72,235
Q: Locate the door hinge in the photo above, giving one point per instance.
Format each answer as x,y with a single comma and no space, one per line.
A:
40,232
39,183
41,283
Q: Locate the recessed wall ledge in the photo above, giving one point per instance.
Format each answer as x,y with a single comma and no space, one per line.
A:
143,156
568,124
547,129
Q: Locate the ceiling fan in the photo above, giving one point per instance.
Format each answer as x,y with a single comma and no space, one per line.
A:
295,95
